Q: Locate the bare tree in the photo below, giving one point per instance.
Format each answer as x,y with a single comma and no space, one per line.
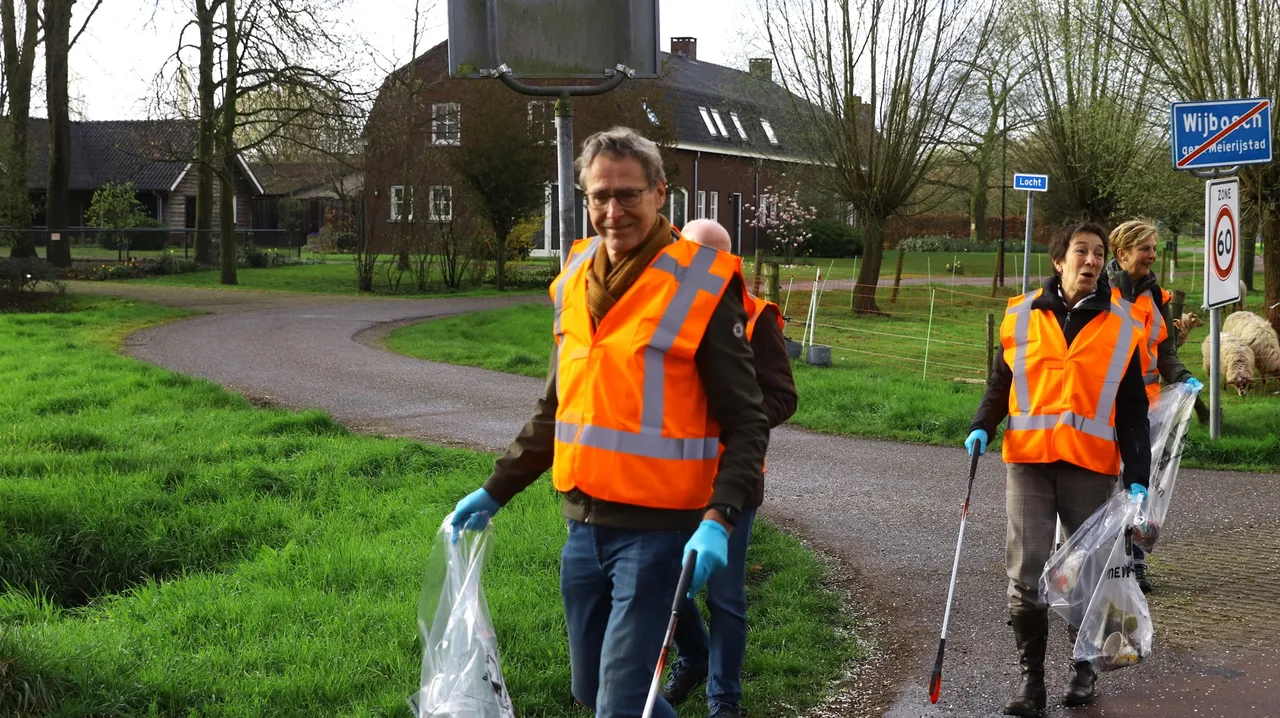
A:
1213,49
911,60
57,45
1093,98
19,65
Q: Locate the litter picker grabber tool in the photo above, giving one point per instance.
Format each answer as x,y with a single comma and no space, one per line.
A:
682,587
935,680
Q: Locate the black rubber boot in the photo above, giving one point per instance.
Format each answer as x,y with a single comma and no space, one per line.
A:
684,680
1140,573
1080,690
1031,630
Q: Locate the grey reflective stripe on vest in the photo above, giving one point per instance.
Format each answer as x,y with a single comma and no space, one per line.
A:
649,442
571,267
1021,337
646,445
1152,375
1034,422
1119,360
690,280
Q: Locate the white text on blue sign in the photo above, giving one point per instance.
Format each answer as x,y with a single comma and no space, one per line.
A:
1031,183
1221,133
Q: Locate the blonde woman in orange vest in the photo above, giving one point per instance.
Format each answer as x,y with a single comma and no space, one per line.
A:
651,423
1070,384
717,657
1133,244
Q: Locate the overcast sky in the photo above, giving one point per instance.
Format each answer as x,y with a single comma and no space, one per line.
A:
113,64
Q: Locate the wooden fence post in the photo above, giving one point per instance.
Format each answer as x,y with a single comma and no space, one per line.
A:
755,281
772,282
1175,306
897,275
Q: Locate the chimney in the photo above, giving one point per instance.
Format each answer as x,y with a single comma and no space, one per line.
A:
686,47
761,67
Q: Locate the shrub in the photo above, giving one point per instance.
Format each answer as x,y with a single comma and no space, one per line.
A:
527,278
833,239
345,242
962,244
25,274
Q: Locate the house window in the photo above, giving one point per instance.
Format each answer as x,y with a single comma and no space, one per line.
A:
542,121
724,131
714,215
678,206
737,123
653,117
706,118
700,209
446,123
768,131
441,207
398,201
768,207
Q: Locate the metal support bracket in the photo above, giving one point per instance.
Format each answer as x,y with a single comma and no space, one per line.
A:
616,77
1217,172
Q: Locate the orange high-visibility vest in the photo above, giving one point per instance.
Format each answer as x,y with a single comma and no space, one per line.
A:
1062,401
755,307
1154,331
632,425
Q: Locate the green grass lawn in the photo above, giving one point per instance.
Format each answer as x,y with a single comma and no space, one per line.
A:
877,386
167,549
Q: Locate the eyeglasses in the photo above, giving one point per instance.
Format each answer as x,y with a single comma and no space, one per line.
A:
628,198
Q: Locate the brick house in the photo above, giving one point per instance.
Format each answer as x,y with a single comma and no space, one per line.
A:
155,155
727,135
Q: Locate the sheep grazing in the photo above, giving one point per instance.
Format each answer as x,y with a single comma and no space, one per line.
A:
1184,325
1261,338
1236,359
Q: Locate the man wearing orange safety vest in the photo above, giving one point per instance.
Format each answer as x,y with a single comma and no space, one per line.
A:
717,657
1070,382
651,423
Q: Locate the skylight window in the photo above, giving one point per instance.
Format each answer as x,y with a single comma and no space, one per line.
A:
724,131
706,118
738,124
768,131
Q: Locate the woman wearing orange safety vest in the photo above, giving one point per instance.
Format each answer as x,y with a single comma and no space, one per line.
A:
1070,383
1133,244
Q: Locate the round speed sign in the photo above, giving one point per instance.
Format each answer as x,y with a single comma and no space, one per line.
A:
1224,242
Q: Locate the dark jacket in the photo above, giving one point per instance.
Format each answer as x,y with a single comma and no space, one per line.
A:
1132,428
773,372
727,369
1172,370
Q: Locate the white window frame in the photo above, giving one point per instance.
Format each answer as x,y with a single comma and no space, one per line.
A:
543,132
737,122
433,207
683,194
444,114
706,119
397,203
713,213
768,131
724,131
700,209
768,206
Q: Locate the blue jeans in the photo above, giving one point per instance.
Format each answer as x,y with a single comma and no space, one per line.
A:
721,652
618,586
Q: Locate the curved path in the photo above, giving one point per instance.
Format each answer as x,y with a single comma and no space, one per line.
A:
885,513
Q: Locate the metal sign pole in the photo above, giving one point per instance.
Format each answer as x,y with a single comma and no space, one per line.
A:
1215,375
564,174
1026,248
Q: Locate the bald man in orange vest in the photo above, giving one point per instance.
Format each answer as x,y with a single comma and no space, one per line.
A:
717,658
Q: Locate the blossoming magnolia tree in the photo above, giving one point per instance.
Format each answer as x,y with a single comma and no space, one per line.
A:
785,219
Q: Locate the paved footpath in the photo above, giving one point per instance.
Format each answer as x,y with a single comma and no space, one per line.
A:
884,513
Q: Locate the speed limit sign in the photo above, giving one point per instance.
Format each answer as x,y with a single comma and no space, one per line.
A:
1221,243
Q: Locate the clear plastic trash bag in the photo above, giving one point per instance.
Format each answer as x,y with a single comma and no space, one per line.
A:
1089,581
461,673
1170,416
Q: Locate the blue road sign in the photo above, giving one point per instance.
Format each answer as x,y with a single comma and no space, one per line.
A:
1220,133
1031,183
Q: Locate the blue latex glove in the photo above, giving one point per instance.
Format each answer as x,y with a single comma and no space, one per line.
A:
473,512
1194,384
978,437
1137,492
711,541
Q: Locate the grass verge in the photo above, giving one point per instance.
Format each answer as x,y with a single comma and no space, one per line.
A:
167,549
867,392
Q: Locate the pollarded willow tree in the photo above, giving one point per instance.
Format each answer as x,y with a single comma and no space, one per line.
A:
876,83
1219,49
1093,97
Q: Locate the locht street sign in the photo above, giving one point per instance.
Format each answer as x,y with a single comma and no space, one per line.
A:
1031,183
1220,133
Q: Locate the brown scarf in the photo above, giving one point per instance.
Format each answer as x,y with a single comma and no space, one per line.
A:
606,284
